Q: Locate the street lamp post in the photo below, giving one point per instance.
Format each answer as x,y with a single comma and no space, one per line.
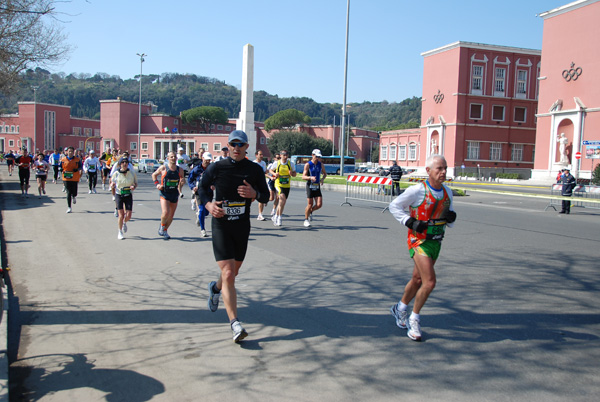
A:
139,142
35,88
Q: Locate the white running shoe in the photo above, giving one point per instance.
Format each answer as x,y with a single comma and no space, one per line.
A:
124,227
64,190
213,298
94,191
89,191
181,195
74,200
120,235
273,212
203,233
113,197
414,330
104,187
69,210
116,213
274,219
306,223
166,235
160,230
239,332
261,218
278,220
400,316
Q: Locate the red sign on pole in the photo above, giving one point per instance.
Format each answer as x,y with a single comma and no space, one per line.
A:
578,155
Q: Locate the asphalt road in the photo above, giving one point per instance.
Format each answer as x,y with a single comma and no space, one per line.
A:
515,314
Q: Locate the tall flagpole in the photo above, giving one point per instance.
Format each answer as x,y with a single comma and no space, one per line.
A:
343,133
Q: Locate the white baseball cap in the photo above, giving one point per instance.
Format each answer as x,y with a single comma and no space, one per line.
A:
207,156
180,149
317,152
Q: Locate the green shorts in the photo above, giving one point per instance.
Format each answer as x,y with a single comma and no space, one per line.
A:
429,248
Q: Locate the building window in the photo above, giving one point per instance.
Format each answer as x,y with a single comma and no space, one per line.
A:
144,146
96,132
220,127
227,128
133,146
402,152
521,83
476,112
392,152
495,151
384,153
412,152
520,114
472,150
262,140
216,146
204,145
477,83
498,113
212,126
76,130
12,129
80,144
516,153
17,129
11,143
175,122
499,81
87,132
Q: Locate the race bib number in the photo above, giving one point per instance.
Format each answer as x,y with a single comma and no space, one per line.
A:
314,186
284,180
92,169
40,172
68,175
436,229
234,208
171,184
126,191
180,161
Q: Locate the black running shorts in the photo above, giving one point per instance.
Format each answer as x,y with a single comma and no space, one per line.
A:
230,239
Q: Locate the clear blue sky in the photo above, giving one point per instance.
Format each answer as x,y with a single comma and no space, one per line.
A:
298,45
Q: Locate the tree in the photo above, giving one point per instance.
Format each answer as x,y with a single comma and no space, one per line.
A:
28,38
298,143
205,115
596,175
286,119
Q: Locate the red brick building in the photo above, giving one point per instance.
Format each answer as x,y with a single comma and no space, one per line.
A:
479,105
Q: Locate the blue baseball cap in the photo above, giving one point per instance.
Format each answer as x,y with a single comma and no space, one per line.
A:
238,135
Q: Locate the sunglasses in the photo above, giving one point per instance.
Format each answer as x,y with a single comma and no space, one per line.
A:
237,144
283,154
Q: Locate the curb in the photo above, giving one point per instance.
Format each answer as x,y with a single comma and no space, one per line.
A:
4,363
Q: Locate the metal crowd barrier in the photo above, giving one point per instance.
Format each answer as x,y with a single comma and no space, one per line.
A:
369,188
582,197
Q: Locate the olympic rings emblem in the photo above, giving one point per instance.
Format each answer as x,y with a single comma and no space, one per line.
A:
439,97
572,73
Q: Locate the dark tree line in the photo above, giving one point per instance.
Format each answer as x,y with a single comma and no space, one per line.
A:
174,93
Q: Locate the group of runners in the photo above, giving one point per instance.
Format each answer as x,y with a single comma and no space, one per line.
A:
225,189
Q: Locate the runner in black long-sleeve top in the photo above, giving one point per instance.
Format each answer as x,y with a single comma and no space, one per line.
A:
236,182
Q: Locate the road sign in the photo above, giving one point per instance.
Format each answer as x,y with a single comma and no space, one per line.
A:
578,155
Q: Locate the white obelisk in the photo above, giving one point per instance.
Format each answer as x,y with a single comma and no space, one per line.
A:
246,120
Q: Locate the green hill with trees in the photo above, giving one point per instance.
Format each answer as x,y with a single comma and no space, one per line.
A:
174,93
